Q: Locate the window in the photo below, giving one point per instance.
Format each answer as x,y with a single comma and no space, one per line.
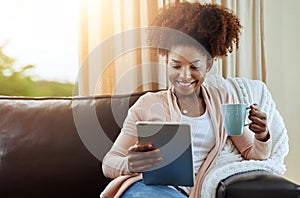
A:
43,34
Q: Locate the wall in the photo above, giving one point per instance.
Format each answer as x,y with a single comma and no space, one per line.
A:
283,68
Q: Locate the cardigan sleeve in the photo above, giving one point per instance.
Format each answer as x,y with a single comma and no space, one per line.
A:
250,147
115,162
149,107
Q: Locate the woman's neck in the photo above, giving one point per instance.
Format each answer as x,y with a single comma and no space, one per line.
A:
191,105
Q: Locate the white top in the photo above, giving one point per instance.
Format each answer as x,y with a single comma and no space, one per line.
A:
203,138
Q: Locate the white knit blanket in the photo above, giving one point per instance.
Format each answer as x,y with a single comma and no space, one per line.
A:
230,161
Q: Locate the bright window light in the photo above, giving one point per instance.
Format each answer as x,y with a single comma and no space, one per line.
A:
43,33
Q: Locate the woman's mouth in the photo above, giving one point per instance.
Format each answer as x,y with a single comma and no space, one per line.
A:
185,85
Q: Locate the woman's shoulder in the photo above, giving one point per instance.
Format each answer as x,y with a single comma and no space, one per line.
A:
221,92
161,93
157,96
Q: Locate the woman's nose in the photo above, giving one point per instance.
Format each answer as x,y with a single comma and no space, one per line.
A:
185,72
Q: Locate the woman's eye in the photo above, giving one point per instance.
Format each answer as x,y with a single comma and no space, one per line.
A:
176,66
193,67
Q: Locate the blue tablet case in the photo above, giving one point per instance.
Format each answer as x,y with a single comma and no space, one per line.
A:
174,141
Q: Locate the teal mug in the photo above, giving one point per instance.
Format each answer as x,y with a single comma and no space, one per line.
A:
234,116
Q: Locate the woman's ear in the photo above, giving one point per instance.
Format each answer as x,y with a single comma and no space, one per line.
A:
209,64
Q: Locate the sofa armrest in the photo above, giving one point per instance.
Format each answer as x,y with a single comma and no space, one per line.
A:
258,184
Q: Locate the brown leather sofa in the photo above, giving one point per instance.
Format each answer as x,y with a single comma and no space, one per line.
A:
44,152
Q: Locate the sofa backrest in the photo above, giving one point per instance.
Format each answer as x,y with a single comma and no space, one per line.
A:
41,151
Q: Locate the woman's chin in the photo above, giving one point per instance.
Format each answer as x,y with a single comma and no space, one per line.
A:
185,91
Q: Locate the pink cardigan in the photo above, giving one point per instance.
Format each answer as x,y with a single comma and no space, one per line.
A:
162,106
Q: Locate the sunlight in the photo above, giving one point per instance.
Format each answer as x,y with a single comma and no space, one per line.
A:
43,33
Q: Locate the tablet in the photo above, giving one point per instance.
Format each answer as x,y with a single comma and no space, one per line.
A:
174,141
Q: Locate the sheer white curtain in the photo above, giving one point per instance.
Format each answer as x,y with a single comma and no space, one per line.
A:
111,59
111,63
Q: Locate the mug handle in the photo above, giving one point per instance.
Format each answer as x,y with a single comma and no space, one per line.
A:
247,124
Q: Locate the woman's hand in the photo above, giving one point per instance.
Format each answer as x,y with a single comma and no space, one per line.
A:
142,157
259,123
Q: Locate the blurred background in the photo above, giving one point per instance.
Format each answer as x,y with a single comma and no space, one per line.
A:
282,29
38,47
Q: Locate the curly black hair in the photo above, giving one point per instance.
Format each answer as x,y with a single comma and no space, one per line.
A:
216,28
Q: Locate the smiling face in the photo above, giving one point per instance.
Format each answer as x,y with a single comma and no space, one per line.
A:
187,67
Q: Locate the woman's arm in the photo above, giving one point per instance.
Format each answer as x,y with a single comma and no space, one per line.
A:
252,148
115,162
126,156
255,143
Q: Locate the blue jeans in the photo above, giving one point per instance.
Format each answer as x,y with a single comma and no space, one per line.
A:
141,190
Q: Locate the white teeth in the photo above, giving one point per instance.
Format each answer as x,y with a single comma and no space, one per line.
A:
185,84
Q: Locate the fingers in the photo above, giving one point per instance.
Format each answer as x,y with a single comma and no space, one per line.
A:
143,157
143,161
141,148
258,118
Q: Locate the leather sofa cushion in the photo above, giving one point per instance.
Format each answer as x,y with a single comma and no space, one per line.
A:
258,184
41,152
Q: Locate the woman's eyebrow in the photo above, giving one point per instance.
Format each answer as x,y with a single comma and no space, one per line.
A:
176,61
195,61
190,63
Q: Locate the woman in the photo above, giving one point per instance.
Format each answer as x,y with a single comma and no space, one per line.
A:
187,100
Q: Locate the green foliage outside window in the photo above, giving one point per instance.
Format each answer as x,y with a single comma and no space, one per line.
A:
17,83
